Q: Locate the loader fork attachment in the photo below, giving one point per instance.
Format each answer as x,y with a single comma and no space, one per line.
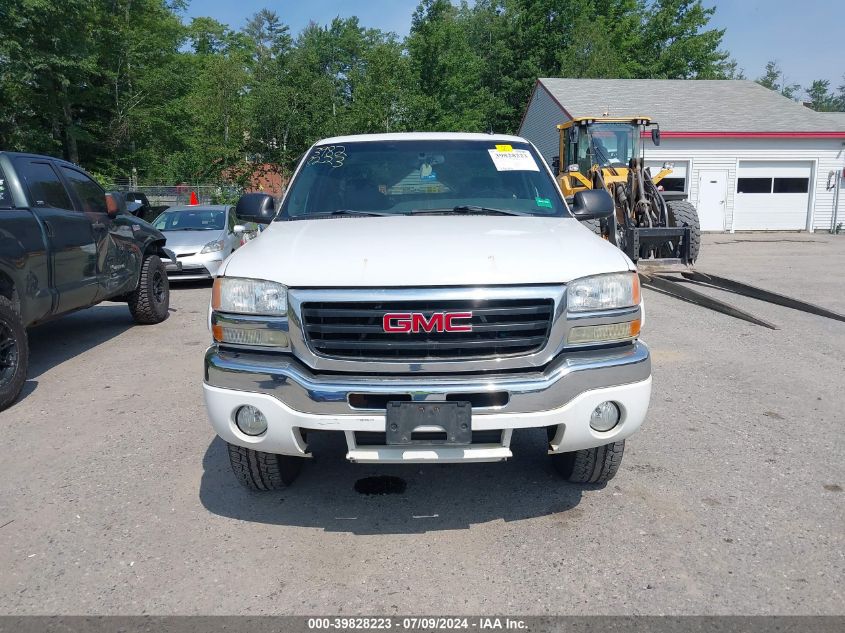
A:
747,290
675,288
668,284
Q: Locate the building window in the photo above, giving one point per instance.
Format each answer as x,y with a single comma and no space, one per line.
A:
792,185
674,184
676,181
754,185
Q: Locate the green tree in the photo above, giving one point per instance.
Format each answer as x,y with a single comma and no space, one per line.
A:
448,92
47,69
213,103
774,79
128,87
731,70
821,98
676,43
144,77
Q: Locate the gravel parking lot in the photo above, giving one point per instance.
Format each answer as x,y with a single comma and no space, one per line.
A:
116,498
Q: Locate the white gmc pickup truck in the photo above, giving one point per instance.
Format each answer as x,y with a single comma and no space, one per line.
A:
426,295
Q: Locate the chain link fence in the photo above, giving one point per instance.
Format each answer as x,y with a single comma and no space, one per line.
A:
162,196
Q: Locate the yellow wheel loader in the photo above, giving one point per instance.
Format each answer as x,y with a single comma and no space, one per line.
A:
659,230
608,153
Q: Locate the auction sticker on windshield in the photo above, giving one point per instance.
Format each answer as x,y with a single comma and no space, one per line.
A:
513,160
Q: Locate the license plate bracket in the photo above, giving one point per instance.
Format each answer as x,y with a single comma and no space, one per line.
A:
453,418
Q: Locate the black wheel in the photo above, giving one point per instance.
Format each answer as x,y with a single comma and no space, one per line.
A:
14,353
594,226
149,302
683,213
610,231
257,470
590,465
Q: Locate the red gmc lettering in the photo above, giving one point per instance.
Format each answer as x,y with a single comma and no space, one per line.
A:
407,322
450,325
396,322
434,324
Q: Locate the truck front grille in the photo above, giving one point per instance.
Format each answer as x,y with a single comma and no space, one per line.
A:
500,327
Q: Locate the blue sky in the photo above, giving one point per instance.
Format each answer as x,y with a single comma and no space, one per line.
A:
806,38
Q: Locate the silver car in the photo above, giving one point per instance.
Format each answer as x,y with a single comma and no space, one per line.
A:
201,237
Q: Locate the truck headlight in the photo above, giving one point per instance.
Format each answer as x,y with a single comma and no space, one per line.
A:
603,292
249,312
237,295
212,247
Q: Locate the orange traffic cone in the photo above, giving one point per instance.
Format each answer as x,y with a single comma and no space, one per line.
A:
194,200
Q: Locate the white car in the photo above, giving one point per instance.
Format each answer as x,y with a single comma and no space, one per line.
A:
201,237
426,296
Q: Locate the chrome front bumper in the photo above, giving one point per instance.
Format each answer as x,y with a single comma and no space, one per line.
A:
293,399
288,380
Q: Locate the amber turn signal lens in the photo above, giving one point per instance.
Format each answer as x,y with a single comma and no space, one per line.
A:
636,293
215,294
608,333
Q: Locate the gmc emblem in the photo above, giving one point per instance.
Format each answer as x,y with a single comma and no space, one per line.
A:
408,322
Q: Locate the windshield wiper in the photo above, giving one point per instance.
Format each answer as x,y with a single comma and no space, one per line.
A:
193,229
468,209
339,213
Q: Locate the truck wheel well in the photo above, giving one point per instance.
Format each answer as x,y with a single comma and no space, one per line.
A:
7,289
154,248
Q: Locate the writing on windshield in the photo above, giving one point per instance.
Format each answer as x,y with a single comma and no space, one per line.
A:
404,177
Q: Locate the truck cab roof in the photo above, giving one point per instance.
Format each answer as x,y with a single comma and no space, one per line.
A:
424,136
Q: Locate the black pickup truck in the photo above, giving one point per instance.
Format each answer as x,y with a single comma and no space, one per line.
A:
65,244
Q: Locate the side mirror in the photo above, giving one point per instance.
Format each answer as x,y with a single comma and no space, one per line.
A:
655,136
593,204
115,203
574,134
555,165
256,207
239,229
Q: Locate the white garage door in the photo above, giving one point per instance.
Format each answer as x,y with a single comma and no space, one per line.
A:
772,195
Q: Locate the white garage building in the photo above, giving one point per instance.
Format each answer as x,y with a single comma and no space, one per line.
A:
747,157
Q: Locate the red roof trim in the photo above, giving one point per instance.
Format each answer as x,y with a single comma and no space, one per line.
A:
670,134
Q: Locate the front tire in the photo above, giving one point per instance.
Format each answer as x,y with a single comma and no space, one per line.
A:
590,465
683,213
14,353
150,301
610,230
594,226
261,471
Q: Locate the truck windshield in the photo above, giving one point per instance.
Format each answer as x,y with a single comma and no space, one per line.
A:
420,176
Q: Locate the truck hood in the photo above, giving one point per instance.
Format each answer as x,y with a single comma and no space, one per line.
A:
425,251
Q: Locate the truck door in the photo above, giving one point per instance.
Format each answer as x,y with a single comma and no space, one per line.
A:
113,236
73,253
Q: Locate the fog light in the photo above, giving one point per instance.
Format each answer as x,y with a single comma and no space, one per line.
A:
605,416
250,420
